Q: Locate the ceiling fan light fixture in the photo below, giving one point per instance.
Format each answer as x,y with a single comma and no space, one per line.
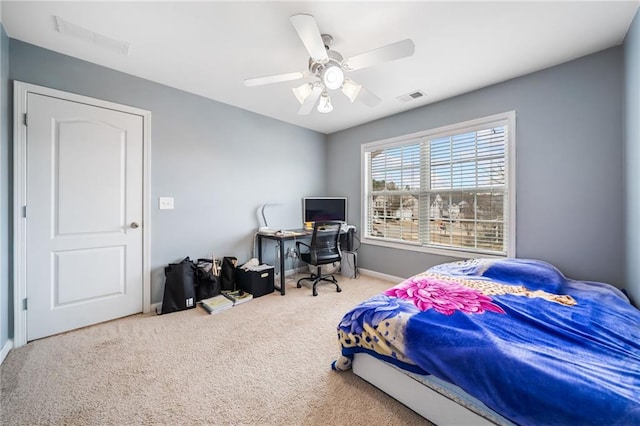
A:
302,92
328,68
333,77
324,106
351,89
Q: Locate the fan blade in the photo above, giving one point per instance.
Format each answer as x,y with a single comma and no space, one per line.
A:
368,98
257,81
309,33
308,104
386,53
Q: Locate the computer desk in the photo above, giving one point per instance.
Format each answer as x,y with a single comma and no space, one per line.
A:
346,241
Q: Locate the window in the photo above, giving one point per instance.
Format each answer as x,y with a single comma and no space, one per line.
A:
448,190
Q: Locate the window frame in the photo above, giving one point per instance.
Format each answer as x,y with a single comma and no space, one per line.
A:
509,120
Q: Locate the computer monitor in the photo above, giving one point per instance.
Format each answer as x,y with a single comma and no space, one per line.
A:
324,208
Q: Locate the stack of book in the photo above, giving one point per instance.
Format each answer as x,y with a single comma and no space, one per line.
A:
238,296
216,304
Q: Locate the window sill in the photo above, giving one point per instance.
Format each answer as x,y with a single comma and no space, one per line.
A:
462,254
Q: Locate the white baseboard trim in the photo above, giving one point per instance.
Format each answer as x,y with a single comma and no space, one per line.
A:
5,350
381,276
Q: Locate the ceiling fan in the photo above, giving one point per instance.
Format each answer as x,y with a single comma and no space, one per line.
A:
330,67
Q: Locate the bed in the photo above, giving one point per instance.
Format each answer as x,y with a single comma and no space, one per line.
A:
500,341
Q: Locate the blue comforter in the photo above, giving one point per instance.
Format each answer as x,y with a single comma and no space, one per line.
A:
534,346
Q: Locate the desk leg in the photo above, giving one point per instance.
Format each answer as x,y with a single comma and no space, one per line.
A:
282,277
259,249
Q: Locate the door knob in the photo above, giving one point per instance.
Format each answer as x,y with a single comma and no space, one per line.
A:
135,225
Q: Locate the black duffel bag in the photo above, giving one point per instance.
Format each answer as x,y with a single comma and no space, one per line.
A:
179,286
207,283
228,273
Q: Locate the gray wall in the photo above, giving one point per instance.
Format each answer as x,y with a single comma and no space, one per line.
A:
568,165
632,156
6,302
220,163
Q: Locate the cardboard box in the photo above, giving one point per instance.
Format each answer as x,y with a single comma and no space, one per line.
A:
258,283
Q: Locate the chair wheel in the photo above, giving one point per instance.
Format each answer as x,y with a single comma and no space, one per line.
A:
299,285
338,290
315,293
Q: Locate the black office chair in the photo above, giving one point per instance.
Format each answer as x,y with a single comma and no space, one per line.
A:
323,250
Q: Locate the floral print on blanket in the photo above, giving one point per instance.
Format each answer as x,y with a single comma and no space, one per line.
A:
445,297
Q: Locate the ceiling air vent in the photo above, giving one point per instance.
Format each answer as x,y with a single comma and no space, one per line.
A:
411,96
89,36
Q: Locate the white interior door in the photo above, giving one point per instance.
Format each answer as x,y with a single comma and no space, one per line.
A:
84,212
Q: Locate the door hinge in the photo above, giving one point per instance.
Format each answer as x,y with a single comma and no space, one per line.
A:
24,304
24,212
26,121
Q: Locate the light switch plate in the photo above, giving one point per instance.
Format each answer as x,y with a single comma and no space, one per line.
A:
165,203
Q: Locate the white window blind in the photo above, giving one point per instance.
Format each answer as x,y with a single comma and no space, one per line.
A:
447,189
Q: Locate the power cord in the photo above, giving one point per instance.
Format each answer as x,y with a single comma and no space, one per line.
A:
354,265
292,253
359,242
253,245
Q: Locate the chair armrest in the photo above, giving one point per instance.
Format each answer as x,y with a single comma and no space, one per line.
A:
299,243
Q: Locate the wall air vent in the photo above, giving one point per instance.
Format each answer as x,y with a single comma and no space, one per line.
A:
411,96
99,40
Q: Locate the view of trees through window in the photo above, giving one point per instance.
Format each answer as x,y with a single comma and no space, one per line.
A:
446,191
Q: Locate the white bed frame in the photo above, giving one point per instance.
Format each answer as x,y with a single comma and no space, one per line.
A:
429,403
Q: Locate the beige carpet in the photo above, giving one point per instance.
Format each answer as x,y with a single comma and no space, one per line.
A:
263,362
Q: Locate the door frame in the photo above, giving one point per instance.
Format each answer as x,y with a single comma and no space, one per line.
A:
20,92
